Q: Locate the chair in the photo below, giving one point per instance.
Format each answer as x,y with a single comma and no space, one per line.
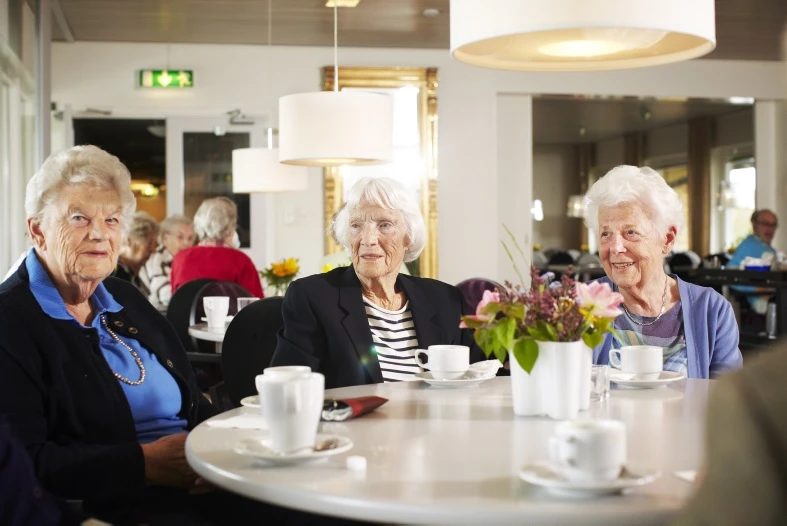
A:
540,260
179,311
561,258
214,288
685,261
248,346
473,290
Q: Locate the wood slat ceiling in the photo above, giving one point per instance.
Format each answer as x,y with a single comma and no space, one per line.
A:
746,29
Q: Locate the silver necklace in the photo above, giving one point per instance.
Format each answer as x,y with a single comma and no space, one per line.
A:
133,353
663,306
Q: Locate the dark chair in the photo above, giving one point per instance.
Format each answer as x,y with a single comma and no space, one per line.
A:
248,346
681,261
473,290
561,258
180,311
215,288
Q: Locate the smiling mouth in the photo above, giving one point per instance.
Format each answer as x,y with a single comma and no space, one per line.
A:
621,266
370,256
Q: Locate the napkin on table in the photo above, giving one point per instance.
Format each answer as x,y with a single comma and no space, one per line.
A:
242,421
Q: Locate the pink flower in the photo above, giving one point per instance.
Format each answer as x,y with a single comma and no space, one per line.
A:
486,299
598,299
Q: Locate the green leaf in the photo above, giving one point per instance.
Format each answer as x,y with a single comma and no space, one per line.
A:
592,339
492,308
486,341
505,332
473,324
516,310
525,351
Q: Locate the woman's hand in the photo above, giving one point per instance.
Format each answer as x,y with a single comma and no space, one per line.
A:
165,462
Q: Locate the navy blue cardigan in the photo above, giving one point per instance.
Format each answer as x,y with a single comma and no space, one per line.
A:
62,399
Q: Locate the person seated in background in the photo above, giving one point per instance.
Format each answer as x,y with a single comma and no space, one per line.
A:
214,257
93,379
138,244
637,217
757,244
361,324
176,233
744,478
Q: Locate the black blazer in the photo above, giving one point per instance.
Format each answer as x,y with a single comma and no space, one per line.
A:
68,409
326,328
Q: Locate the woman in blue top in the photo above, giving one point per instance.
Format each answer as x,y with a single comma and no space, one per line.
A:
637,217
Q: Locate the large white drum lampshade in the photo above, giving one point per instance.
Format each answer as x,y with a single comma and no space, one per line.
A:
259,170
576,35
332,128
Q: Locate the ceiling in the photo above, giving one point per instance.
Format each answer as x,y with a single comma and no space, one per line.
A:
564,120
746,29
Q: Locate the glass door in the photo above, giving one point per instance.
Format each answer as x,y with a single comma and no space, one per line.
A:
199,166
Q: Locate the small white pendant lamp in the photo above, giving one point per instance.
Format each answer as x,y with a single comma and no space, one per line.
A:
258,170
578,35
332,128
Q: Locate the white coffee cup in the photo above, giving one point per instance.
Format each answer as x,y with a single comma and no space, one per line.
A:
645,361
216,309
287,370
446,362
292,406
588,450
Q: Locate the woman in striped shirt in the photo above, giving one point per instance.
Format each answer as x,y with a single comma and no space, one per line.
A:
362,324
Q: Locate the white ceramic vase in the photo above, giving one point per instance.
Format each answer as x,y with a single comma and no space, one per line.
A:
559,384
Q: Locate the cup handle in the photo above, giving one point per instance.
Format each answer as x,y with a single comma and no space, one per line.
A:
562,451
614,358
417,357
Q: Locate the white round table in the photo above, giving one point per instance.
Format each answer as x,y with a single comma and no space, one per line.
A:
201,331
452,456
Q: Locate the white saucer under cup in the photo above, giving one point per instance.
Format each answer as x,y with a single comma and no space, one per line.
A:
446,362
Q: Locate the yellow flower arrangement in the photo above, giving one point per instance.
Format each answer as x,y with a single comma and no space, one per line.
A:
280,274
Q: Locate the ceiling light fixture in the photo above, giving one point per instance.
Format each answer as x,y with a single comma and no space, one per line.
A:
332,128
342,3
258,170
579,35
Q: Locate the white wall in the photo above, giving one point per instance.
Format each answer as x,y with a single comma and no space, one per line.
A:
770,157
101,75
555,178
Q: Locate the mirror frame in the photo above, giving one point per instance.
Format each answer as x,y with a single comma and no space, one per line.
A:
395,77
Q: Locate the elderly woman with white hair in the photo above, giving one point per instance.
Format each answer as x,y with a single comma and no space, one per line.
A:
176,233
362,324
93,379
139,242
214,257
637,217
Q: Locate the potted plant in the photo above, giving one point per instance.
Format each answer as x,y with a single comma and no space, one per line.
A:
279,275
547,331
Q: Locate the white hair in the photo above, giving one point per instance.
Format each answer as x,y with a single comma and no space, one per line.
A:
389,194
644,186
216,219
141,226
172,222
81,165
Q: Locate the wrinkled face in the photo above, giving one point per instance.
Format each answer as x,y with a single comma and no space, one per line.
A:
630,247
79,236
180,237
378,240
765,226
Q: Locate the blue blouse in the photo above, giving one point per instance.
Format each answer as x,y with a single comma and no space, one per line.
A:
156,402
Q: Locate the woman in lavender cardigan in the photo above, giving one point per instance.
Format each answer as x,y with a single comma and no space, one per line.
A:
637,217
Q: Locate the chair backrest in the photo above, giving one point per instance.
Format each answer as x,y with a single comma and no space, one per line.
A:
180,312
215,288
540,261
249,344
561,258
473,290
685,260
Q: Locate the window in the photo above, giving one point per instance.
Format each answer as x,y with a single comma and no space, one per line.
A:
677,178
737,198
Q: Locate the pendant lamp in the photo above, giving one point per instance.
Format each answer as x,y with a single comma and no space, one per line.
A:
333,128
258,170
580,35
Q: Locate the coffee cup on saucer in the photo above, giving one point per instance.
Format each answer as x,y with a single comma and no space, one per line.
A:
216,309
446,362
588,450
292,405
645,362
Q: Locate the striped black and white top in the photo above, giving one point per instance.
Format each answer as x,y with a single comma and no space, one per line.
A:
393,333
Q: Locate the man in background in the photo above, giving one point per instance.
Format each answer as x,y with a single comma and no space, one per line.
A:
764,224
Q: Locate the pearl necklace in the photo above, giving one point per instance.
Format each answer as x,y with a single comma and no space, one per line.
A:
133,353
663,306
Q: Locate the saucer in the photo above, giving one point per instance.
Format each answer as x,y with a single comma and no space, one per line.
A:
629,380
251,401
229,318
258,448
542,474
465,381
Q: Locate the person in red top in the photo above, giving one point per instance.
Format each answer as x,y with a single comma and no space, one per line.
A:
214,257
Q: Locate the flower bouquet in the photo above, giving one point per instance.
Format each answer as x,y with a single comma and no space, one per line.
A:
279,275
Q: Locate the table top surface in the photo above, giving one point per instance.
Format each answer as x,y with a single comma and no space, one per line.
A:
453,456
202,332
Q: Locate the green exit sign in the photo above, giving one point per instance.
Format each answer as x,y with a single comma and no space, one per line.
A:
166,78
